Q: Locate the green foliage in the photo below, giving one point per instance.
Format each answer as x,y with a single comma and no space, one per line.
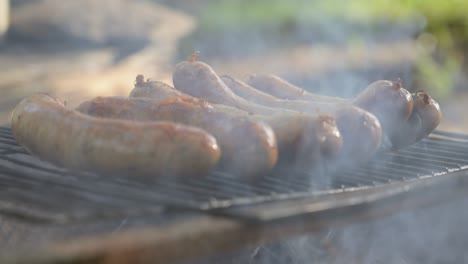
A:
247,12
436,76
446,20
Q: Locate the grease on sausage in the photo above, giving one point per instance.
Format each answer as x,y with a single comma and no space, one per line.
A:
77,141
248,147
425,118
298,135
360,130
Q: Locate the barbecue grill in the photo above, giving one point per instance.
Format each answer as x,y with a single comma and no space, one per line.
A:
126,218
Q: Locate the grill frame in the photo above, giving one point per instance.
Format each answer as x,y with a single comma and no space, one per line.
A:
198,235
246,221
132,197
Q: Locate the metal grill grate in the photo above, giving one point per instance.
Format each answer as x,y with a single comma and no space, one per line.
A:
38,191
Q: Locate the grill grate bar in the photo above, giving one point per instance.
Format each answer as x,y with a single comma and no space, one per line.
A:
434,157
446,143
377,176
426,162
8,141
43,167
228,187
287,186
274,188
436,154
52,200
97,193
450,135
314,180
192,192
221,179
384,165
355,179
396,173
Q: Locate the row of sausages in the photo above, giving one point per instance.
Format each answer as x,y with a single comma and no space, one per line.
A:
208,121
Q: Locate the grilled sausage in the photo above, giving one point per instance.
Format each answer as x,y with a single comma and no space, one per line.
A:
300,137
253,95
280,88
199,80
256,96
248,147
388,101
153,89
305,141
77,141
360,130
425,118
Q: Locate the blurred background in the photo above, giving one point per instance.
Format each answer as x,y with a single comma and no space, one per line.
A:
79,49
83,48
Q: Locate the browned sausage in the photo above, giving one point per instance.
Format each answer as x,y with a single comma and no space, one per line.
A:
258,97
248,147
305,141
425,118
300,137
199,80
280,88
360,130
153,89
74,140
388,101
429,110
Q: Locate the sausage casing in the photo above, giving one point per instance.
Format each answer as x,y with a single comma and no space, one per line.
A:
299,136
199,80
360,130
153,89
280,88
248,147
425,118
77,141
388,101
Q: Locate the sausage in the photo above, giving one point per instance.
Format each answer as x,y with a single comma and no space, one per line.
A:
248,147
199,80
389,101
300,137
429,110
153,89
280,88
305,141
360,130
256,96
68,138
425,118
362,134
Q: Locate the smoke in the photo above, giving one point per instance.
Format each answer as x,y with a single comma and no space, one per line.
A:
331,56
425,235
321,58
322,53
